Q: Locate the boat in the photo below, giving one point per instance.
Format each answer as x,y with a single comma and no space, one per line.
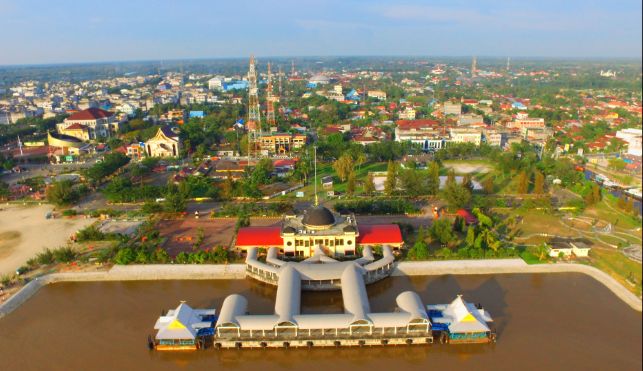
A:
635,192
609,184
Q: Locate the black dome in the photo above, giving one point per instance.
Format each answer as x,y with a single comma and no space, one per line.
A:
318,216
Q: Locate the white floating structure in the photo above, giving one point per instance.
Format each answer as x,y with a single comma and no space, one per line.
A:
461,322
179,329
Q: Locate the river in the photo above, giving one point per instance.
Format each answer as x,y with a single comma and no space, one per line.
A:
563,321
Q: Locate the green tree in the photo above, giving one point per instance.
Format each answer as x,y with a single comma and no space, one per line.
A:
433,184
421,236
390,185
228,185
471,236
621,203
421,250
596,192
523,183
456,195
369,185
61,193
175,201
350,186
467,182
589,199
344,166
413,182
450,177
487,186
442,230
141,172
539,183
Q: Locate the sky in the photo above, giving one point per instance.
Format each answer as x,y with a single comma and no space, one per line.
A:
66,31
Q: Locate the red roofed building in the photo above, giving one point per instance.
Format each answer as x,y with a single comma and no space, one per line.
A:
97,121
467,216
259,237
387,234
337,233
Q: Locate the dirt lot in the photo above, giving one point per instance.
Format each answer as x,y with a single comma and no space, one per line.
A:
215,232
469,168
126,228
24,231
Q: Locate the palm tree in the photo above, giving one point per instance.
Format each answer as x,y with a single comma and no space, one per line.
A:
360,159
541,250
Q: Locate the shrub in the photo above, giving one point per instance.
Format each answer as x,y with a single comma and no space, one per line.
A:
162,255
125,256
64,254
182,258
219,254
421,250
152,235
142,256
69,212
91,233
463,253
152,208
46,257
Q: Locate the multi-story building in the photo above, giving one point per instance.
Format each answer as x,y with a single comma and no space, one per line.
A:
377,94
634,148
98,121
429,138
407,114
452,108
526,123
468,119
276,142
464,135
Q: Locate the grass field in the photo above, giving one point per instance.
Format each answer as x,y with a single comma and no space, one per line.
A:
533,221
619,267
613,240
602,211
632,238
529,256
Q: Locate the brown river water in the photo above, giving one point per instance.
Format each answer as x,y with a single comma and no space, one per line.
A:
561,321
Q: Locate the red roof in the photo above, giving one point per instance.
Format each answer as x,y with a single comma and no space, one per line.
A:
259,236
379,234
410,124
76,127
468,217
90,114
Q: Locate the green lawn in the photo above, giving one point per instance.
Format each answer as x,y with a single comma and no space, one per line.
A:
533,221
619,267
529,256
632,238
612,240
602,211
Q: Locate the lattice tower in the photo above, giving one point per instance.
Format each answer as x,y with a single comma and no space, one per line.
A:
253,103
270,101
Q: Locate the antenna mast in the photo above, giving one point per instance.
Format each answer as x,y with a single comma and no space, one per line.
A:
292,74
316,199
280,88
254,117
473,69
508,58
270,101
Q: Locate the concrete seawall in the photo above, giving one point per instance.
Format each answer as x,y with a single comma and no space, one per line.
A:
238,271
502,266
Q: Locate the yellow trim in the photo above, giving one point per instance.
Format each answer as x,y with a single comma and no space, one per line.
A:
469,318
176,325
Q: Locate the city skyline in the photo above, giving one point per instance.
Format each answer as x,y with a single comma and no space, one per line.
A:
136,31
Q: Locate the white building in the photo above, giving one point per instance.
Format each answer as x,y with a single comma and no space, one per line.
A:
407,114
216,83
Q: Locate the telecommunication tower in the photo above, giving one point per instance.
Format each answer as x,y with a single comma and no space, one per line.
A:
292,73
473,69
254,117
281,91
270,101
508,58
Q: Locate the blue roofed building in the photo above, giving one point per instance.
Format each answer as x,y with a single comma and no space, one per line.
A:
198,114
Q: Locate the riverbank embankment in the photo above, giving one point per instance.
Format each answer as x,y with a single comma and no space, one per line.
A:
238,271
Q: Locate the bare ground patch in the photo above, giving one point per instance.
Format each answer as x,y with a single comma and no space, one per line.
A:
8,241
469,168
